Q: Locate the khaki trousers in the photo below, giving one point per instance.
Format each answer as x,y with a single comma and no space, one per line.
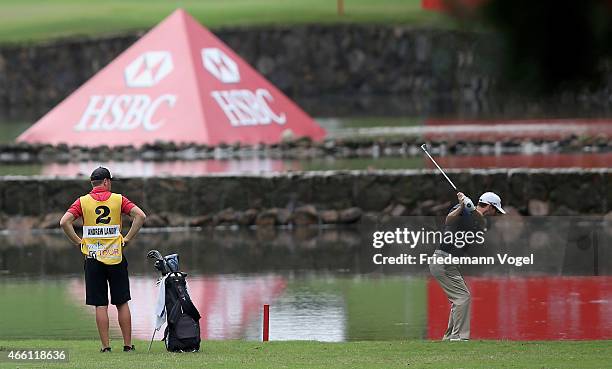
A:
450,279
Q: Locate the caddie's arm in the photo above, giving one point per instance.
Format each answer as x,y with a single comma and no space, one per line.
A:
66,224
138,218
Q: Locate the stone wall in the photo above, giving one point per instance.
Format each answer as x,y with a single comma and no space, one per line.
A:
340,62
409,192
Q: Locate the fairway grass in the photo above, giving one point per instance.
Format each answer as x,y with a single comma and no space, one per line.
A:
309,354
35,20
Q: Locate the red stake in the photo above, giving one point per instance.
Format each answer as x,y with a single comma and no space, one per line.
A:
266,322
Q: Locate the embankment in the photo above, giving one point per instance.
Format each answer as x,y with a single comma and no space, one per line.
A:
313,197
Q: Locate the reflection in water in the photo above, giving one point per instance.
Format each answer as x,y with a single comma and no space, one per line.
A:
328,308
322,285
543,308
140,168
228,304
312,307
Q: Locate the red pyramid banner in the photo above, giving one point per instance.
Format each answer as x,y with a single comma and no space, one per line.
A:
178,83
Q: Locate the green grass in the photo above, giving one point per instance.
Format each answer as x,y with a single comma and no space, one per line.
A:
10,130
362,163
41,309
20,169
308,354
395,307
28,20
333,124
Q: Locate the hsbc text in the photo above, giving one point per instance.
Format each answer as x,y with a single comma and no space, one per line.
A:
123,112
248,108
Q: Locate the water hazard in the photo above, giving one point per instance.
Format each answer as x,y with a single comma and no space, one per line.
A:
525,156
321,284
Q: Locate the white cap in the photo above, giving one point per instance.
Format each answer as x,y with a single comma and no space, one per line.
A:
492,199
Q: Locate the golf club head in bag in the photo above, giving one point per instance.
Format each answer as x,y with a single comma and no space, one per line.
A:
160,262
172,261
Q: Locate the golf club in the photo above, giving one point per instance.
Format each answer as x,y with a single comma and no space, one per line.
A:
160,262
424,147
154,254
151,343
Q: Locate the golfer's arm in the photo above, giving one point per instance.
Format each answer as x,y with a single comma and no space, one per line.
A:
454,215
66,224
138,218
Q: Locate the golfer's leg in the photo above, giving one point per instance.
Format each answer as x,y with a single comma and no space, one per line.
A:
438,271
102,323
125,322
451,324
461,299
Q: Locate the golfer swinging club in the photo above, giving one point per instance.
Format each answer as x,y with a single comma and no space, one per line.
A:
102,244
462,217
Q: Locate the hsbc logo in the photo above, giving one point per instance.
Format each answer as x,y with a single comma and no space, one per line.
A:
217,63
148,69
126,112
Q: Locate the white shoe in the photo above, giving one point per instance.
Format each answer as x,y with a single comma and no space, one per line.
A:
458,339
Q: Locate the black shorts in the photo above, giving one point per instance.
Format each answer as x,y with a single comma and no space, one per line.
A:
99,276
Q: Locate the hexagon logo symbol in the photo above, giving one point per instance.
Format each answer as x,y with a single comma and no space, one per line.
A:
148,69
217,63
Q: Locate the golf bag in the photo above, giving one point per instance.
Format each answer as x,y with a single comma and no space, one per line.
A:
183,327
182,317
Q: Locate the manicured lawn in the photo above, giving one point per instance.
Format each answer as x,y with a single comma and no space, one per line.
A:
42,309
41,19
308,354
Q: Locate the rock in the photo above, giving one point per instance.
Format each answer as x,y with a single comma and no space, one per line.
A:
22,223
283,216
398,210
440,209
227,216
176,220
395,210
305,215
388,209
606,223
200,221
329,216
50,221
155,221
538,207
267,218
426,205
287,136
350,215
563,210
247,218
369,219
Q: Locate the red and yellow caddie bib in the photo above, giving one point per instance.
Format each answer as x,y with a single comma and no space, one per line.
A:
102,239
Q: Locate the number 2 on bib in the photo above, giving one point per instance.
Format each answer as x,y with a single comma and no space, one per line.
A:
103,212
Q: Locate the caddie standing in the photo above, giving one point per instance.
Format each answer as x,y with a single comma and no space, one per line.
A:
102,245
463,217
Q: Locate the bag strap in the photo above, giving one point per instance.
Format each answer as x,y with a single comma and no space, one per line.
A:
187,305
